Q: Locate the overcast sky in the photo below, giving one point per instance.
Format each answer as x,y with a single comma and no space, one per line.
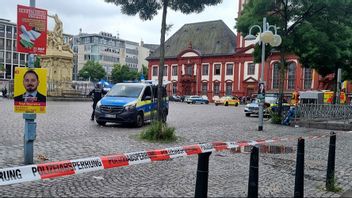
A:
94,16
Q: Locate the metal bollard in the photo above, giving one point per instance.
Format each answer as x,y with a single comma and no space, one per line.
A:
330,173
299,178
253,173
29,136
202,175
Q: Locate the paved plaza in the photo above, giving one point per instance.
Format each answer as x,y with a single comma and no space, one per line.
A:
66,132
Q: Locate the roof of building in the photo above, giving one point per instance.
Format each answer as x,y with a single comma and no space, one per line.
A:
209,38
151,46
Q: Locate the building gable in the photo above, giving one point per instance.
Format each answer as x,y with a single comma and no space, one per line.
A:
210,38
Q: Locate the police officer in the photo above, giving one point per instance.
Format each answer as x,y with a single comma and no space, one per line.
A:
97,93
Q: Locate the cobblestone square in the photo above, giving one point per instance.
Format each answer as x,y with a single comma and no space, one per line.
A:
66,132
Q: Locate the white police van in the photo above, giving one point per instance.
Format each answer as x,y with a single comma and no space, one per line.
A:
131,103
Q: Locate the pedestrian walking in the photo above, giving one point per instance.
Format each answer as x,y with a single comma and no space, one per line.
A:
97,93
4,92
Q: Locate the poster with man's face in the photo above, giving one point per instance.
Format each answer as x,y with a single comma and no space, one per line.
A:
30,90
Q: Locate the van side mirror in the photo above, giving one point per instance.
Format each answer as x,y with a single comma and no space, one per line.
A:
147,98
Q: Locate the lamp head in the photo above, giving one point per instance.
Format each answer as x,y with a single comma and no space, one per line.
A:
266,36
250,37
276,40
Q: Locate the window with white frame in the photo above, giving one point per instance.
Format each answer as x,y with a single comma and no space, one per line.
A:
174,70
217,69
229,88
216,88
204,88
229,69
250,69
308,78
205,70
155,71
276,75
291,75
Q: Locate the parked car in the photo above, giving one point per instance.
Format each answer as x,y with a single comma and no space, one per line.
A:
196,99
175,98
227,100
253,107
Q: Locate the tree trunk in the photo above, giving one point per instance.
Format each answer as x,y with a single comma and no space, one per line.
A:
161,63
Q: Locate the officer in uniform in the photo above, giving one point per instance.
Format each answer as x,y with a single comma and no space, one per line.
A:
97,93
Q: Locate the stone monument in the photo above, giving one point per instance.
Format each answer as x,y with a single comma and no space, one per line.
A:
58,61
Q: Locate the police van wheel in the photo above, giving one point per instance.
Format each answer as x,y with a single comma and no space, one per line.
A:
226,104
236,104
139,120
101,123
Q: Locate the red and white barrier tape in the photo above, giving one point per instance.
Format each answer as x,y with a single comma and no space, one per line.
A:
70,167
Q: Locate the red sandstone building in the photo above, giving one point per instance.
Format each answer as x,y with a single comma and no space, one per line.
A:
207,58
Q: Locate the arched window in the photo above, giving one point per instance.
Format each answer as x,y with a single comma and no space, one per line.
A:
276,75
229,88
204,88
291,75
216,88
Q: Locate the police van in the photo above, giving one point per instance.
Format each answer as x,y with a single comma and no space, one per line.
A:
131,103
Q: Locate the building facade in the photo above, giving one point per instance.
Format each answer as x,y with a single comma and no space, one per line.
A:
9,57
108,50
207,58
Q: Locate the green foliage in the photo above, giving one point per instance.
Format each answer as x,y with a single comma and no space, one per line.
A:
92,69
2,68
275,118
328,39
159,131
333,186
37,62
149,8
145,71
122,72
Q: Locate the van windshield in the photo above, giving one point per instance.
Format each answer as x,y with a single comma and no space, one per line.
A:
125,90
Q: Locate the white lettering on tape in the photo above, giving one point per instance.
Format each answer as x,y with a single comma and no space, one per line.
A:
87,164
17,175
176,152
138,157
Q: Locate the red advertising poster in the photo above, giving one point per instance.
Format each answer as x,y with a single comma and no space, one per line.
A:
31,30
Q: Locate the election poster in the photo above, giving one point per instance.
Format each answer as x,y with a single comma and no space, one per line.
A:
31,30
30,90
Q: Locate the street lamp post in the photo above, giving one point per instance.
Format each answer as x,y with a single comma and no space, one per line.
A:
266,36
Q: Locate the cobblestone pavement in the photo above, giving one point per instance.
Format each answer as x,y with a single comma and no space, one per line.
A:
66,132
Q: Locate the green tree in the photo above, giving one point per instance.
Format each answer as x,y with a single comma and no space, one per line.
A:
92,70
144,71
37,62
288,15
147,9
122,72
328,40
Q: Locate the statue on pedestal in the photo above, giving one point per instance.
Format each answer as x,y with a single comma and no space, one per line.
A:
58,60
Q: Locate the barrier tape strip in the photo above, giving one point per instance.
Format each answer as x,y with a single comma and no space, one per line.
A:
70,167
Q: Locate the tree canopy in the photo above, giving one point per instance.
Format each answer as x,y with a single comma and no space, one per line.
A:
327,39
92,70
